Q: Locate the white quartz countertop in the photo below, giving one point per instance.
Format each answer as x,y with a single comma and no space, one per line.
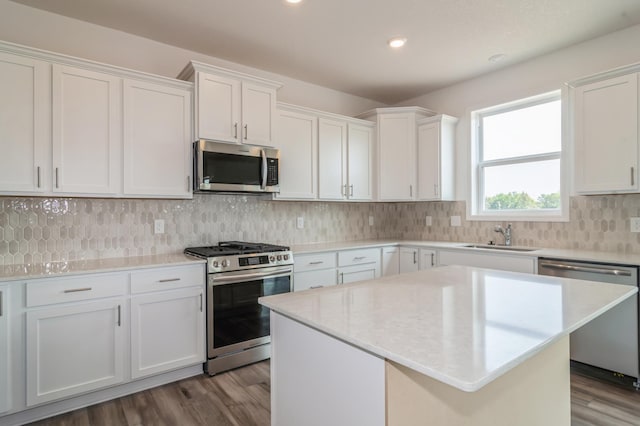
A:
43,270
566,254
462,326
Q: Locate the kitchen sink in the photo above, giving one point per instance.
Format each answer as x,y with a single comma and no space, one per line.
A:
504,248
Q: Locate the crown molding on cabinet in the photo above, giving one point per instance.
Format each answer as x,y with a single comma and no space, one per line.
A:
604,75
192,67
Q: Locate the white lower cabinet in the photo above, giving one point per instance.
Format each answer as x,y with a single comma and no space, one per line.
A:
409,259
167,330
74,349
514,263
5,387
314,279
390,261
358,265
428,259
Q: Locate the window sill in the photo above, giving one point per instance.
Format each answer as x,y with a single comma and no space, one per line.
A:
524,217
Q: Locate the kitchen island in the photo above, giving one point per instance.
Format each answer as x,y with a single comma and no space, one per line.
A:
447,346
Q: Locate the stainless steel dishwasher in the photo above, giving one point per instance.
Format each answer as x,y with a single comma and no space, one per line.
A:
611,340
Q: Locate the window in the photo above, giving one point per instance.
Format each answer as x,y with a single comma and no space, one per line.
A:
517,167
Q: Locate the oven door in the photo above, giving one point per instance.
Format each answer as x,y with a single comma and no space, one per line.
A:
235,319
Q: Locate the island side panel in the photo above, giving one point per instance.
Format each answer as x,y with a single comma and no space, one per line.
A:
317,380
535,393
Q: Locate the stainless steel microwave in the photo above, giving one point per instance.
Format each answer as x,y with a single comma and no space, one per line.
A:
225,167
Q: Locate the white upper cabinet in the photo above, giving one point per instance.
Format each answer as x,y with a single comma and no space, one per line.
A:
360,162
25,136
436,140
397,150
157,140
606,136
297,139
86,126
332,159
232,107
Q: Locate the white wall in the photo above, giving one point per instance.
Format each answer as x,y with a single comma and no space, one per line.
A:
35,28
539,75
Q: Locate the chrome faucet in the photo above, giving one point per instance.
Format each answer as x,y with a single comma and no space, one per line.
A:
505,232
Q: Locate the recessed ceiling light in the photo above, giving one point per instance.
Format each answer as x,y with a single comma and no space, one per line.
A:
293,1
497,57
397,42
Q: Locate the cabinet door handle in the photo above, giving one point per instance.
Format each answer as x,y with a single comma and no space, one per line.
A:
350,190
75,290
188,183
415,255
341,277
1,304
57,186
246,131
38,171
235,131
200,302
410,190
119,316
319,262
633,177
168,280
432,256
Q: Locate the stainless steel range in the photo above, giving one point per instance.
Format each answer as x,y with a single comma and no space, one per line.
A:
238,274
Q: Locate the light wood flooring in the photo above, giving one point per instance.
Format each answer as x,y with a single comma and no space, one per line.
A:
241,397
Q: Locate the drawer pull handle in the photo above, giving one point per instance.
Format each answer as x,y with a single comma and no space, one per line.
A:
75,290
168,280
319,262
316,286
360,258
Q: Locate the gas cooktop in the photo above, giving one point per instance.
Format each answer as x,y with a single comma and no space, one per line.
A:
230,248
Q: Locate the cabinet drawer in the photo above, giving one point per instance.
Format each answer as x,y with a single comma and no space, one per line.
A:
314,261
356,257
71,289
314,279
167,278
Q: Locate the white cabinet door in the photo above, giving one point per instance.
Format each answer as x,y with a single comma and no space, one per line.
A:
167,331
397,158
409,260
5,388
429,161
351,274
606,136
360,162
332,151
390,261
86,130
258,114
314,279
157,140
218,101
297,139
73,349
428,259
25,103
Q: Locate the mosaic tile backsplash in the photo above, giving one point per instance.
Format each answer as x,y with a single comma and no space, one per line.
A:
58,229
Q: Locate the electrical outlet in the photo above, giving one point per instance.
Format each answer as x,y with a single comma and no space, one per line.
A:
634,224
300,222
158,226
456,221
428,221
370,220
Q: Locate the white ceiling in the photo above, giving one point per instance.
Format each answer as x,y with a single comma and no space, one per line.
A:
341,44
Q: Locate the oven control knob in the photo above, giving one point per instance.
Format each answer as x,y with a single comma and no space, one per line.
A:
215,264
225,263
279,258
272,259
286,257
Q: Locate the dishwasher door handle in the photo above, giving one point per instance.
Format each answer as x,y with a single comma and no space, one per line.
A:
590,269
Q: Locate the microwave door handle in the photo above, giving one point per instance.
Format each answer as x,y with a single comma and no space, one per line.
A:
263,182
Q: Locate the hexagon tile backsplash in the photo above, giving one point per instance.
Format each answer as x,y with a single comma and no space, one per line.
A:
58,229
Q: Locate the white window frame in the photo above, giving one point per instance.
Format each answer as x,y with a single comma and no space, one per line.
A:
475,206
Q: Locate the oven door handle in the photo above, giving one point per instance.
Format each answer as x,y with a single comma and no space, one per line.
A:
250,277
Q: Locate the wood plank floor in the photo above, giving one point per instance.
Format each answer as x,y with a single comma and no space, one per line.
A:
241,397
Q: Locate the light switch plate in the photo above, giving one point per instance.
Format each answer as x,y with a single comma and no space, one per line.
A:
456,221
300,222
428,221
158,226
634,224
